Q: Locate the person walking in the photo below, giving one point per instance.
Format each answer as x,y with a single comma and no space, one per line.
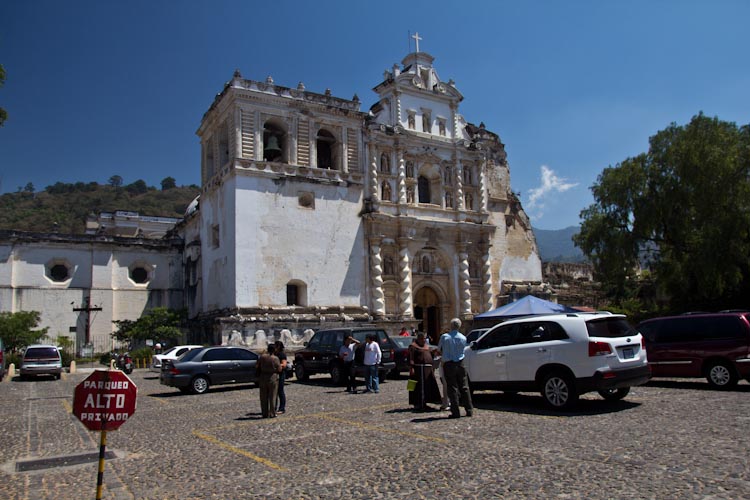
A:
421,370
346,355
451,347
281,399
372,360
267,369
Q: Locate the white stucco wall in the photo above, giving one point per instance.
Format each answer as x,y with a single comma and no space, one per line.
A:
278,240
218,269
99,271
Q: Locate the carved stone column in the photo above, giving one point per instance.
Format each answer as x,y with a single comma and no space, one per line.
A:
293,127
237,150
401,179
464,280
486,278
374,191
376,260
404,268
459,185
344,149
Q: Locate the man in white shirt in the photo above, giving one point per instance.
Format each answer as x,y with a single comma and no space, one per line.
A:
372,360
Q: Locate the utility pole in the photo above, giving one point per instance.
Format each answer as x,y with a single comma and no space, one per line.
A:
87,308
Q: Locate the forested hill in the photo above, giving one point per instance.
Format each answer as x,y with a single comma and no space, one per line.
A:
64,207
557,245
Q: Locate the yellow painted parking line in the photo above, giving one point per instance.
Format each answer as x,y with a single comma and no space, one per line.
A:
67,406
156,398
240,451
368,427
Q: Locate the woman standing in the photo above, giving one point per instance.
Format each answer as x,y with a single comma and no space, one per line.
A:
421,370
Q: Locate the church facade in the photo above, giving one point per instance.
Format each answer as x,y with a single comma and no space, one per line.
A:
312,213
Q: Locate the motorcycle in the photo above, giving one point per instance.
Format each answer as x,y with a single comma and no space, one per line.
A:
123,361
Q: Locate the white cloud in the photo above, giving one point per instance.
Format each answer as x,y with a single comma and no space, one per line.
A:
550,184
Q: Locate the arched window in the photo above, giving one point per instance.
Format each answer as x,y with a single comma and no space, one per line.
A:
385,191
296,293
325,145
423,185
274,142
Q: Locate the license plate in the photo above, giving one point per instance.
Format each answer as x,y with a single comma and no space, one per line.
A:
628,353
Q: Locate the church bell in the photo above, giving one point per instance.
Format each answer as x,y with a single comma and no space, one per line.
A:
272,149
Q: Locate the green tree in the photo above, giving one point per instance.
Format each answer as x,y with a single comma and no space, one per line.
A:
17,329
683,209
115,181
3,113
160,323
168,183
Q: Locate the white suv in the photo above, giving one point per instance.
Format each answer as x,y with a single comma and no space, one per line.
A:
561,356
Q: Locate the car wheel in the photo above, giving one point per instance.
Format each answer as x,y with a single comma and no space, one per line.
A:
300,372
199,385
614,394
336,374
721,376
559,391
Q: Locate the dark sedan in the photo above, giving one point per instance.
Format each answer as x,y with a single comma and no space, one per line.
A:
199,369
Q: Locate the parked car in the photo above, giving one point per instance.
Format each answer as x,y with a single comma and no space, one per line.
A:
321,354
41,359
401,353
171,354
561,356
711,345
199,369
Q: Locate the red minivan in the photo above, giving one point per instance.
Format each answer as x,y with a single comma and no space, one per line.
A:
711,345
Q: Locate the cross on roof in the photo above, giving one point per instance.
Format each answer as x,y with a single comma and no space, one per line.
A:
416,38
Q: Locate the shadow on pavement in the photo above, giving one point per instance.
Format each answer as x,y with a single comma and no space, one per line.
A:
531,404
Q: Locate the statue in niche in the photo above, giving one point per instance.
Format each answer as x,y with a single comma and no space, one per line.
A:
410,194
469,201
448,200
388,267
386,192
410,169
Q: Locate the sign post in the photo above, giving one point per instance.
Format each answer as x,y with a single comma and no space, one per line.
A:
103,402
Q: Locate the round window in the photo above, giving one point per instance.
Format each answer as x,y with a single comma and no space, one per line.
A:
139,275
59,272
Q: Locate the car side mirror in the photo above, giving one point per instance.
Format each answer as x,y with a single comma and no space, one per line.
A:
474,345
304,344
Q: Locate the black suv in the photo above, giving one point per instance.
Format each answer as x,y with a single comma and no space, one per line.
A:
321,354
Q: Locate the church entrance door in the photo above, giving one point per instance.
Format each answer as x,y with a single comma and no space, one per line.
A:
427,310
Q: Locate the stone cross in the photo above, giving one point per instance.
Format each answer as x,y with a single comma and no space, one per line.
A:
416,38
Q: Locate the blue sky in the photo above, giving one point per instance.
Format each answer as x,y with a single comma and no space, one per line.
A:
98,88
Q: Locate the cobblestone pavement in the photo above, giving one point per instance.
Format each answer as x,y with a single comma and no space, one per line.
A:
669,439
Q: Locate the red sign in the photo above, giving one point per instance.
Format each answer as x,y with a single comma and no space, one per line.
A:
105,400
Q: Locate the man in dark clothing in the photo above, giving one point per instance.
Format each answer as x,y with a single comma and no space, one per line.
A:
268,369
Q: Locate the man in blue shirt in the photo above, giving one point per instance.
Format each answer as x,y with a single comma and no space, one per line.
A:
451,346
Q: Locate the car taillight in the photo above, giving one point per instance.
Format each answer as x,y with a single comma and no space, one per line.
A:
643,343
599,349
173,370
